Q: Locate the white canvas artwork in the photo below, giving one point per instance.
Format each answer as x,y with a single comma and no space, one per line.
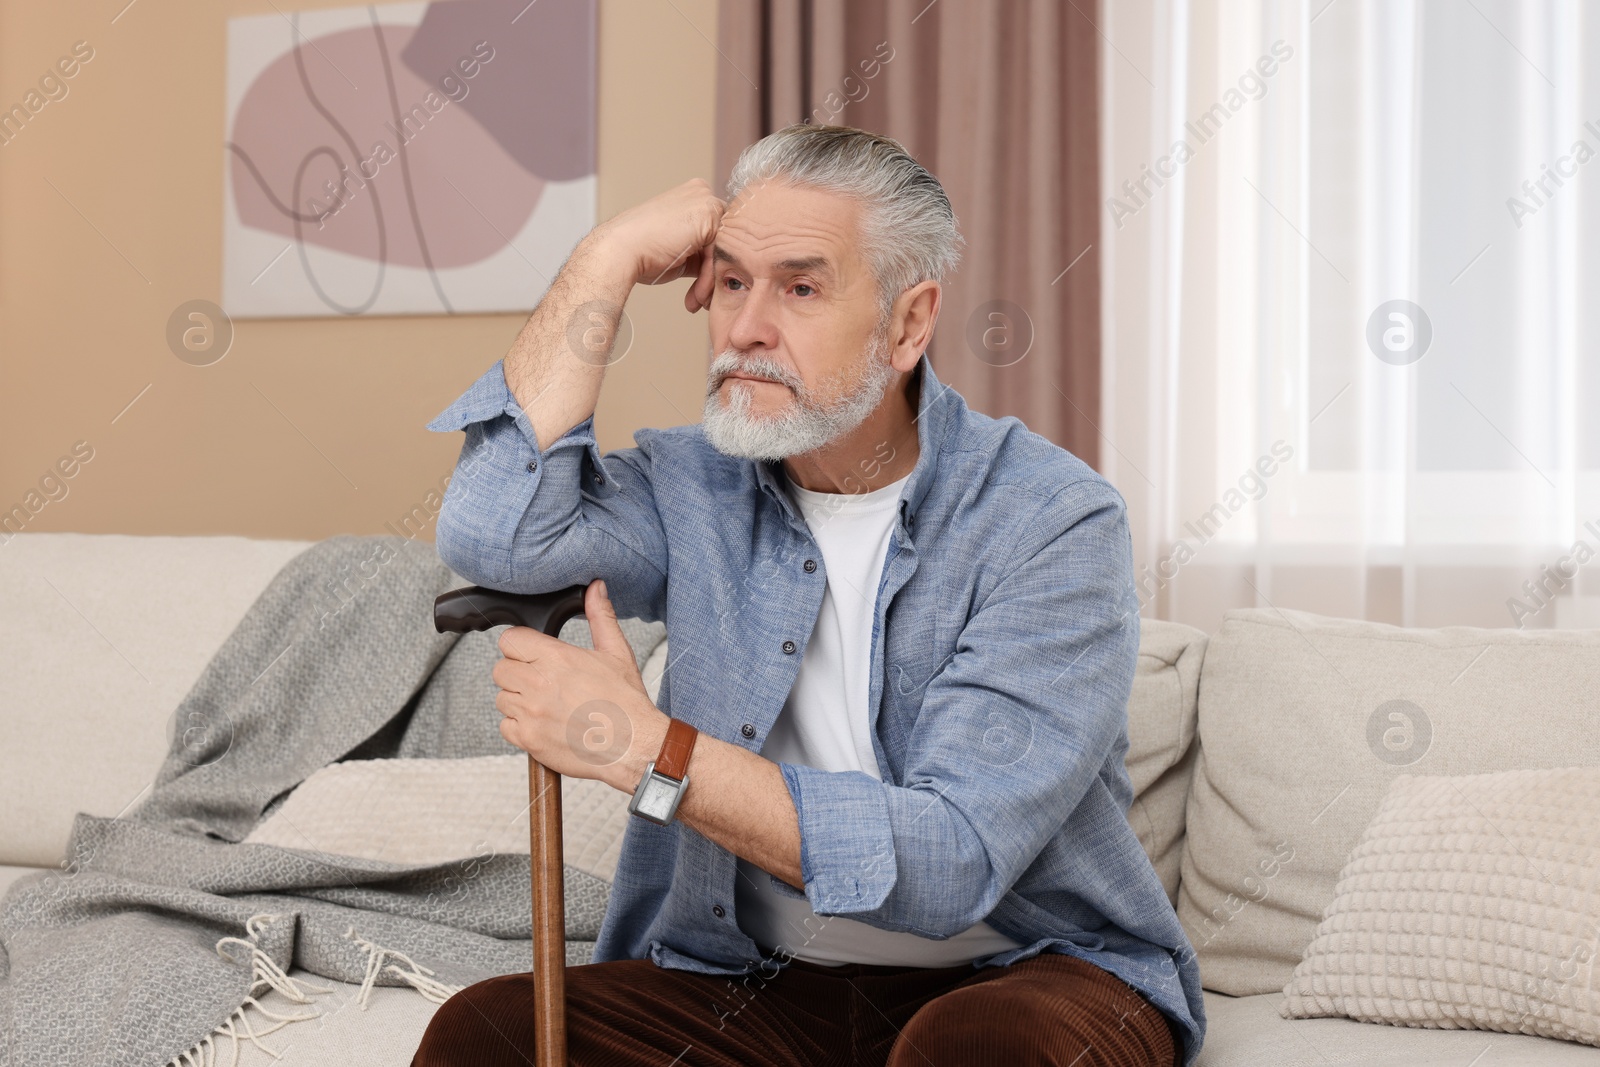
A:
406,159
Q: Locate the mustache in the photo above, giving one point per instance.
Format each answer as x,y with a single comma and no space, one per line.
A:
732,362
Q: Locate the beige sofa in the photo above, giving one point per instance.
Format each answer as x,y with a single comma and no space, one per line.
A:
1272,758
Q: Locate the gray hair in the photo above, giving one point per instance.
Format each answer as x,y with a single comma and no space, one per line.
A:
908,230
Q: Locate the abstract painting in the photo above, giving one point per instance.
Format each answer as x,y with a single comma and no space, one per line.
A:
406,159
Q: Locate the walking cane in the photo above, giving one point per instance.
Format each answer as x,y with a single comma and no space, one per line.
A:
476,608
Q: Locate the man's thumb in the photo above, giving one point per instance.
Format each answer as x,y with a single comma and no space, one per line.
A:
603,625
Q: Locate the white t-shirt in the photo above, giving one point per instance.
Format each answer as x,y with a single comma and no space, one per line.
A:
824,724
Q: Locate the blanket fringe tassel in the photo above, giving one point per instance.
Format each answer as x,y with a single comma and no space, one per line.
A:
266,974
417,977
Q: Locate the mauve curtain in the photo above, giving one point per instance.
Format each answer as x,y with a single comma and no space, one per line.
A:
999,100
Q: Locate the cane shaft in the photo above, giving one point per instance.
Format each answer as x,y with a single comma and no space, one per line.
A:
549,917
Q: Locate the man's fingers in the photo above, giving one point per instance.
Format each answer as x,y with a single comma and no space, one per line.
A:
699,294
677,268
504,704
700,291
686,267
691,295
520,676
526,643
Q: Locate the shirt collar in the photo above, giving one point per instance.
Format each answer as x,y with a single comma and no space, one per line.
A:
937,407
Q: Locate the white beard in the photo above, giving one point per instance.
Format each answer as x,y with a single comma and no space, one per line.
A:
807,424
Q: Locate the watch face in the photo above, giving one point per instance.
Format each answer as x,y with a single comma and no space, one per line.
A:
657,799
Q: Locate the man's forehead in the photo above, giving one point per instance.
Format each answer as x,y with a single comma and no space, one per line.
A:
790,261
788,229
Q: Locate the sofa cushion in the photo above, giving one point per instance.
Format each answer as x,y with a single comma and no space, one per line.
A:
1471,901
426,811
1250,1032
344,1032
101,637
1304,723
1240,1032
1161,736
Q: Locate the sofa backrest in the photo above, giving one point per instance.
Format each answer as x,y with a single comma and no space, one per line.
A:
101,636
1304,723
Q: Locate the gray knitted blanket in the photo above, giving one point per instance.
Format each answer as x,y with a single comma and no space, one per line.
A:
143,942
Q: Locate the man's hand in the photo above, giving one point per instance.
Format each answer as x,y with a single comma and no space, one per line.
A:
587,714
579,712
556,364
666,238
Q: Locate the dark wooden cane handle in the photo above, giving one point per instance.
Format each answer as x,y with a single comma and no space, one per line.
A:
476,608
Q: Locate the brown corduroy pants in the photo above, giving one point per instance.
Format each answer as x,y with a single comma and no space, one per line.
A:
1047,1009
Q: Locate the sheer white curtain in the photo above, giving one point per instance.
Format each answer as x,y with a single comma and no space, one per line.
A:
1351,266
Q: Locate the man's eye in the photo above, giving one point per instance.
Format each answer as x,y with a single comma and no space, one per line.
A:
807,288
731,281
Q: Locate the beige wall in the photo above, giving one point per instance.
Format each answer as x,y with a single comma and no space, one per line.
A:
110,217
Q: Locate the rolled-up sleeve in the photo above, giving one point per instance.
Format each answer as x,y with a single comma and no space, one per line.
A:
1013,732
522,519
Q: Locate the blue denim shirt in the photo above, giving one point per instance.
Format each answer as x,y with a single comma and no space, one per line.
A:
1002,660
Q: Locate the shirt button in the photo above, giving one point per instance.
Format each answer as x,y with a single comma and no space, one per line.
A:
533,466
810,565
718,910
599,479
788,648
748,730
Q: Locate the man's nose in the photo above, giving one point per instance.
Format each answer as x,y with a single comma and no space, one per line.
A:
755,324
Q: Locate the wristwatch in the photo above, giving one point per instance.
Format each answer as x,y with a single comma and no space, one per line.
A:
667,776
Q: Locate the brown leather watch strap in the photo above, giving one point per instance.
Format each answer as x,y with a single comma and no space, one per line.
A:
673,760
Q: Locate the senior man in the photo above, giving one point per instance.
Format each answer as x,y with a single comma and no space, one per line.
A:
881,812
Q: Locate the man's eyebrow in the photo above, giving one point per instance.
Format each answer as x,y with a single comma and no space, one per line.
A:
816,264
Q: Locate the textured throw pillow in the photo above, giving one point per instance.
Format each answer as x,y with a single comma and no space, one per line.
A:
1471,902
427,811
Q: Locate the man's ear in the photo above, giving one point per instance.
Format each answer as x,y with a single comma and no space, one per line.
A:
913,317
